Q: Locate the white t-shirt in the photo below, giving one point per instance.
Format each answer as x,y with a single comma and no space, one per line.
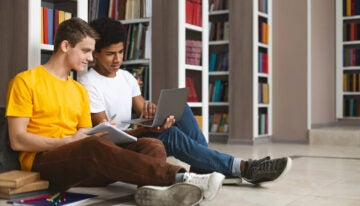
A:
111,94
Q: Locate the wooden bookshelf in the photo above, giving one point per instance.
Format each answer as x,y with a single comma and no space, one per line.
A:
247,105
219,33
170,66
347,59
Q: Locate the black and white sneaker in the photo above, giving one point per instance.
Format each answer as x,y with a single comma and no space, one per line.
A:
180,194
234,180
268,170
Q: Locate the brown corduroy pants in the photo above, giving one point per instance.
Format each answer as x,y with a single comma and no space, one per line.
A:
96,161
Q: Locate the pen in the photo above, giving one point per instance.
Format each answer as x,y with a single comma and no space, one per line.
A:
112,117
35,198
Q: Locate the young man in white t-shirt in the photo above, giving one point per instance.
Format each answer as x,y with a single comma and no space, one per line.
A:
114,91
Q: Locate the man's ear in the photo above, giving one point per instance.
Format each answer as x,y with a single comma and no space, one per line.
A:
65,45
94,53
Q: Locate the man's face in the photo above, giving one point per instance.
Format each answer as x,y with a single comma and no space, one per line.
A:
79,56
109,59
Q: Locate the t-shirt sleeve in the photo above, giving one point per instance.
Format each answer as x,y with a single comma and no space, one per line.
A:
135,88
97,102
19,98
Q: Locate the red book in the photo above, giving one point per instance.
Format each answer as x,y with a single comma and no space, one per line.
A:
45,25
264,61
198,13
192,96
189,11
56,20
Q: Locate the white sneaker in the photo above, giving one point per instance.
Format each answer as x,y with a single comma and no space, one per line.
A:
209,183
180,194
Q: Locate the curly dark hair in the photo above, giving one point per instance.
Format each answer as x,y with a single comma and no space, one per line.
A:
110,31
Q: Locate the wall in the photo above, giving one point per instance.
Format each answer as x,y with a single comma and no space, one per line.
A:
13,41
323,109
290,70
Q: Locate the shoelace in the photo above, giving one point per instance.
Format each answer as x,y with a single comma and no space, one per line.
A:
267,167
254,164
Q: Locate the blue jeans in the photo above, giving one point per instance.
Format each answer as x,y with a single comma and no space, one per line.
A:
186,142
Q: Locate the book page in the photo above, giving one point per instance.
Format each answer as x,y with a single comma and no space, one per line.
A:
116,135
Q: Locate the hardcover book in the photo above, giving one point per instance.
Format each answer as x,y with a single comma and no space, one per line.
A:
17,178
7,193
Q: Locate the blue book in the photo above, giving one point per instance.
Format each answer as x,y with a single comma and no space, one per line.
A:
51,26
103,9
212,62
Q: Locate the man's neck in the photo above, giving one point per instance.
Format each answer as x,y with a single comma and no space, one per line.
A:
57,70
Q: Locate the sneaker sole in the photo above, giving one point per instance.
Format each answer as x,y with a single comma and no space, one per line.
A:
217,180
286,170
180,194
232,181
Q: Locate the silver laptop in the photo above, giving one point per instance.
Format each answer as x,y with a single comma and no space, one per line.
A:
171,102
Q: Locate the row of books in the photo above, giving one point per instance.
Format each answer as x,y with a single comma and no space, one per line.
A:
351,57
263,63
219,61
263,122
351,82
218,91
137,42
141,73
351,31
193,52
194,12
219,30
119,9
351,107
219,122
351,7
263,93
263,32
215,5
51,18
263,6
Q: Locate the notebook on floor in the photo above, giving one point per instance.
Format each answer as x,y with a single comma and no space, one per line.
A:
171,102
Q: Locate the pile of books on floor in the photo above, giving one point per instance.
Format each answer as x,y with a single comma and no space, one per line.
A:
16,184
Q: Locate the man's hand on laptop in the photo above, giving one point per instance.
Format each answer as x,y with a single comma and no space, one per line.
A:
149,109
169,121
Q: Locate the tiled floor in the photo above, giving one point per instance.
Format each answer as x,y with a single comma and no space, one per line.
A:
320,175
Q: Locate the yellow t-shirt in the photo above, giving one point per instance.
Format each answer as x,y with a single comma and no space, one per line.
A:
56,108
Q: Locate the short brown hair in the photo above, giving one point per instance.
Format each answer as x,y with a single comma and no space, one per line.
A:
73,30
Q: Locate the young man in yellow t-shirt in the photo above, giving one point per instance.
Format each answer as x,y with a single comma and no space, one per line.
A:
48,115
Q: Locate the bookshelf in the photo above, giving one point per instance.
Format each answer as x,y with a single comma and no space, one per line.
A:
38,52
136,18
219,32
176,39
250,77
347,59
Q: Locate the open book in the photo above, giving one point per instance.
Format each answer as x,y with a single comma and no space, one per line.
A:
116,135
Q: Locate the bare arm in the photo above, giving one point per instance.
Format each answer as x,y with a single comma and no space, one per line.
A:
21,140
98,118
143,108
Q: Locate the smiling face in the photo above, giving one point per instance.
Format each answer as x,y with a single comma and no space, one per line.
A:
80,55
109,59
